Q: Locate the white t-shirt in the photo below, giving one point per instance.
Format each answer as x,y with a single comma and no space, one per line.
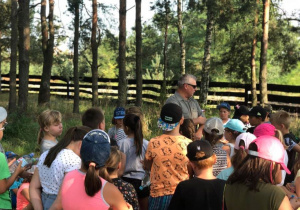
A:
47,145
51,178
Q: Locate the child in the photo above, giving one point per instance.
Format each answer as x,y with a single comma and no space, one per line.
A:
257,116
93,118
110,173
50,128
204,190
138,112
134,147
23,198
187,129
231,131
282,120
116,133
241,113
224,112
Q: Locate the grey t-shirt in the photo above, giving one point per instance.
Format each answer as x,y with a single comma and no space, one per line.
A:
134,167
47,144
190,107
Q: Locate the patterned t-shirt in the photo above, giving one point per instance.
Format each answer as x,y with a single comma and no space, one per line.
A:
169,167
51,178
221,163
128,192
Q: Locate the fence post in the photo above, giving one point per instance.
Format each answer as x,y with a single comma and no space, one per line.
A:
246,97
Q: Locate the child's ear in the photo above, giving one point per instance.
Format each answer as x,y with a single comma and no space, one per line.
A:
181,120
46,129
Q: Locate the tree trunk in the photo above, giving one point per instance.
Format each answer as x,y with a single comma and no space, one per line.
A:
253,65
47,48
24,47
94,46
75,59
13,57
206,59
139,70
122,89
263,55
180,33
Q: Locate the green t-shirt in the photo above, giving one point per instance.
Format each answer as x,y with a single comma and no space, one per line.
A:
238,196
5,202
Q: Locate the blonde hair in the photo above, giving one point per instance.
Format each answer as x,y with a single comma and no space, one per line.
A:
279,135
203,164
47,118
281,117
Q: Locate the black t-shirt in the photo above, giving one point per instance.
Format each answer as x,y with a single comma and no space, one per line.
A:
290,140
197,194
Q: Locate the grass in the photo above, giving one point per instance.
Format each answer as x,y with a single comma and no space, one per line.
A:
20,135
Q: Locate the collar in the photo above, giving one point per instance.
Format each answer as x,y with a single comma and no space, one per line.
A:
179,97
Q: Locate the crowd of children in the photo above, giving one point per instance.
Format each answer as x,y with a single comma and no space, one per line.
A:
236,165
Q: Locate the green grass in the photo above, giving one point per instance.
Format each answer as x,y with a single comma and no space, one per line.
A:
21,133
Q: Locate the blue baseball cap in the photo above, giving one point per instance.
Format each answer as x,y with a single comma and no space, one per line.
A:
119,113
10,154
95,147
236,125
224,105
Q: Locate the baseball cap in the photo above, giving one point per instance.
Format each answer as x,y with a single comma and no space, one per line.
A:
214,123
224,105
119,113
10,154
258,111
239,111
170,116
264,129
246,137
95,147
236,125
3,114
202,146
270,148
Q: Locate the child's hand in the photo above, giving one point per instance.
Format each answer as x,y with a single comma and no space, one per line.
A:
21,169
291,187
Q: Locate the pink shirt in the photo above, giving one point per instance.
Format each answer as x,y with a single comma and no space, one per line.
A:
22,202
73,193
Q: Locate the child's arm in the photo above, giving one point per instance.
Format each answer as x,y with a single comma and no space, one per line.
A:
296,148
297,185
35,191
25,193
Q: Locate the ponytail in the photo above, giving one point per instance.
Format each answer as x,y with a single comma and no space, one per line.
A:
111,164
40,136
92,181
133,122
239,156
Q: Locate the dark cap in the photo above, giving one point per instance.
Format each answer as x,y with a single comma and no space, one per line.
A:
119,113
171,113
201,146
224,105
258,111
95,147
10,154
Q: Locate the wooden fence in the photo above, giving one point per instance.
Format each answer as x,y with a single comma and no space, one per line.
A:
286,97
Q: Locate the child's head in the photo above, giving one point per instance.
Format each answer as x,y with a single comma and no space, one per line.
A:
241,113
138,111
281,120
187,128
3,123
233,128
118,117
257,115
224,110
133,126
112,164
170,117
50,123
94,118
213,130
200,154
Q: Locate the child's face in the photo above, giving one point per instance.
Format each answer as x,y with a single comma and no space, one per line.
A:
119,122
255,121
224,113
244,119
55,129
228,135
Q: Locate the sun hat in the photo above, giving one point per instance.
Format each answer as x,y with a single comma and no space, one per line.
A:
119,113
10,154
214,123
258,111
170,116
224,105
236,125
246,137
3,114
95,147
270,148
202,146
264,129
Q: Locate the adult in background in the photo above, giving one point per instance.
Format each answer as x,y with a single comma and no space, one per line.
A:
183,97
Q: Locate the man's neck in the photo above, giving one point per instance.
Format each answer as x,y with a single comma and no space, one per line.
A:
182,94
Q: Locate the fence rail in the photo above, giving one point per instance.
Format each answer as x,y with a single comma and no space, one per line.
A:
286,97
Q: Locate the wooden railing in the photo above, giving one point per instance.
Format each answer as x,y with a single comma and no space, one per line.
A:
286,97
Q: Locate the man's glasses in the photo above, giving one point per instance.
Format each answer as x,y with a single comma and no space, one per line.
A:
4,126
193,86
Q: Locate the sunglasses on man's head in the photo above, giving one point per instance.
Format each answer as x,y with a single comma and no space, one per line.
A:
193,86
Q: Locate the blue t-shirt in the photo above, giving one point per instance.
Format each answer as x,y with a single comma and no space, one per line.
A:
225,173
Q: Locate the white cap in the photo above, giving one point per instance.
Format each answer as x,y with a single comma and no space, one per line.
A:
3,114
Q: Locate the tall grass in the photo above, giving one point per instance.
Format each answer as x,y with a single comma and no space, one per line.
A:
20,136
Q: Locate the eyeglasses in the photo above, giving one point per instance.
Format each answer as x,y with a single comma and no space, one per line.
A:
193,86
4,126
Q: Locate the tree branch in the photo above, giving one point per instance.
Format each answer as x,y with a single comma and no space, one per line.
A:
89,62
34,5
